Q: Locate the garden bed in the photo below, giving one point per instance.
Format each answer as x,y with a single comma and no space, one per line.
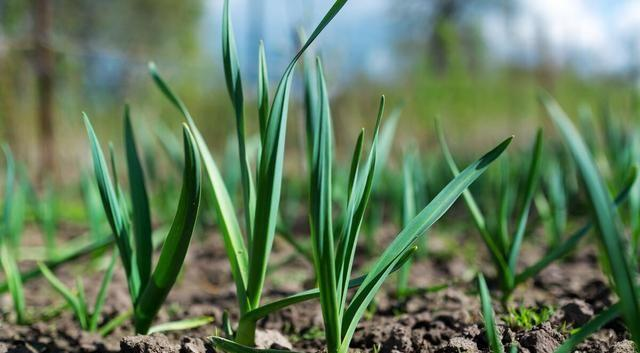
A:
571,292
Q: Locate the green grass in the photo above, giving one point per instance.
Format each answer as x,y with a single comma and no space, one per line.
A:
527,318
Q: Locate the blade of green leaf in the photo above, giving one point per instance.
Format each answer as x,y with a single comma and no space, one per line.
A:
14,282
270,170
489,321
408,212
66,293
139,203
476,213
83,314
263,90
531,186
112,207
589,328
234,86
572,241
102,293
357,203
504,210
232,347
227,220
320,219
177,242
115,322
181,325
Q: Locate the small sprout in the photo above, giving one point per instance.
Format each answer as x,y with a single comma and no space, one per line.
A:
88,320
527,318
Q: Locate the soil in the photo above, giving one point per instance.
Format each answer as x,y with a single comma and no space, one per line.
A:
445,321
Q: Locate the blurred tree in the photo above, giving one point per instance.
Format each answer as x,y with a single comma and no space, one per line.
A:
44,66
441,27
89,55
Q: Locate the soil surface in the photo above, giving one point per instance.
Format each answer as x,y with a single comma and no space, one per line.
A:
443,321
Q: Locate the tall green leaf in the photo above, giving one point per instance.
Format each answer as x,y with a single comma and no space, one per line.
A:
263,91
531,186
489,320
234,86
139,203
112,207
177,242
270,170
227,220
102,293
321,222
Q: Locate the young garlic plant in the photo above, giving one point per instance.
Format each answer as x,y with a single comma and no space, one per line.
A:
9,241
334,254
132,231
620,262
248,252
505,249
87,319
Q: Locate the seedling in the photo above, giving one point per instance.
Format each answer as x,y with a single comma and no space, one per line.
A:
623,273
7,247
133,235
505,250
248,254
528,318
411,197
87,319
333,256
552,203
490,326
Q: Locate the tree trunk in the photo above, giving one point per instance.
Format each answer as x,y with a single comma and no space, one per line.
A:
44,67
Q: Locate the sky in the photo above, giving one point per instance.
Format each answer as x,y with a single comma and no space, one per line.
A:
596,36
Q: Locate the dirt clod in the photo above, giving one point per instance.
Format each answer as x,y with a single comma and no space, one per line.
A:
399,340
195,345
459,344
576,312
272,339
542,339
625,346
156,343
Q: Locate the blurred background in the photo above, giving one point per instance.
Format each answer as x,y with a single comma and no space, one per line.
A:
477,64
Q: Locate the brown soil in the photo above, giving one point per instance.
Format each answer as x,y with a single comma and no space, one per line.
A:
444,321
